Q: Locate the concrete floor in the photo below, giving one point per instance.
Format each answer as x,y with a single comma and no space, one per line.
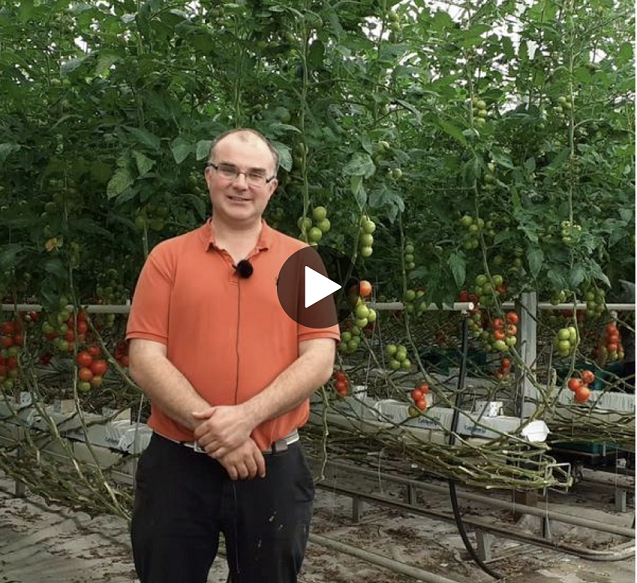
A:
45,544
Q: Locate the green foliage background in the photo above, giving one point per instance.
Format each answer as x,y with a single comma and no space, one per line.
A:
109,107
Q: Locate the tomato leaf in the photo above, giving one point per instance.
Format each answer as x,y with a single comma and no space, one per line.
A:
6,149
285,156
576,275
361,164
203,149
535,257
144,163
120,181
458,266
180,148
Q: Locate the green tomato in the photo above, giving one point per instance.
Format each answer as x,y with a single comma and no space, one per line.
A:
362,311
368,226
324,225
366,252
315,234
390,350
319,213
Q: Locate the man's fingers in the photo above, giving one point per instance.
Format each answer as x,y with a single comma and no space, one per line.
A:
251,466
243,471
260,463
205,414
232,472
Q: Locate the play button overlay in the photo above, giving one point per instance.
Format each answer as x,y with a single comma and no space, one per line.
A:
317,287
313,285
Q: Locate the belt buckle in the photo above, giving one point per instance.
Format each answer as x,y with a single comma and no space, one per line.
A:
279,446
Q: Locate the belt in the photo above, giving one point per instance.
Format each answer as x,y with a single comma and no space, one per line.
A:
277,447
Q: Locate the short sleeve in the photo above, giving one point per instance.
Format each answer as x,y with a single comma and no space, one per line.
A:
151,301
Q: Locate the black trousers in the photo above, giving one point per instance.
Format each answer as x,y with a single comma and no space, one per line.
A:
185,499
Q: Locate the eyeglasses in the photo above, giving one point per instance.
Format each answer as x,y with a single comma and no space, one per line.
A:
230,172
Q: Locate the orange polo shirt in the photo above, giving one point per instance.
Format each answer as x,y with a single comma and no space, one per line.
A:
228,336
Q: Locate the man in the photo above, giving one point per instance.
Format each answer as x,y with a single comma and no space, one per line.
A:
228,374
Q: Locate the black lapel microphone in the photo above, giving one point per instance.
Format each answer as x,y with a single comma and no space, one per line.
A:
244,268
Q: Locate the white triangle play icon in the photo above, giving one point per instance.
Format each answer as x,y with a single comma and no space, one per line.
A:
317,286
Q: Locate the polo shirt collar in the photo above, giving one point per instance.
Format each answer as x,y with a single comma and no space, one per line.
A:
209,239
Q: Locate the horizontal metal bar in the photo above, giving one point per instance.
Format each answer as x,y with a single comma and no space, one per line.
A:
397,306
91,309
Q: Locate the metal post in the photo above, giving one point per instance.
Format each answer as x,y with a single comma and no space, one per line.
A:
20,486
528,351
620,500
357,509
484,540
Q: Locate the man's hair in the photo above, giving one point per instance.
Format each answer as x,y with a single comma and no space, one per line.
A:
256,134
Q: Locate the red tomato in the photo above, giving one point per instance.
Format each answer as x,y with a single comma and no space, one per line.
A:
18,339
422,404
499,335
12,363
582,394
506,363
512,330
423,388
82,327
463,296
85,374
3,370
339,375
99,367
6,341
340,386
498,323
69,336
8,328
416,395
574,384
94,351
82,316
588,377
512,318
84,359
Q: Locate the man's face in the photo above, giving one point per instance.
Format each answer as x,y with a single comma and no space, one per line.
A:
238,201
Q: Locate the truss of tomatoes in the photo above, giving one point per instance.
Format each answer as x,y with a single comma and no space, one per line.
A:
91,369
418,395
579,386
341,383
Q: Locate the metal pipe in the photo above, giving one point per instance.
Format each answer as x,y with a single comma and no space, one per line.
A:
519,508
625,550
572,306
391,564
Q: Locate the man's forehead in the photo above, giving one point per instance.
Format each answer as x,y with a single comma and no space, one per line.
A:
248,143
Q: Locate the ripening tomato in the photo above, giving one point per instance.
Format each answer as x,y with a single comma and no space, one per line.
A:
613,347
85,374
416,395
69,336
123,361
574,384
18,339
512,318
506,363
99,367
96,382
365,288
12,362
512,330
588,377
499,335
463,296
498,323
84,359
82,327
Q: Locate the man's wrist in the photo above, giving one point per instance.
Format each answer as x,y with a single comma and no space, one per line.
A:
252,413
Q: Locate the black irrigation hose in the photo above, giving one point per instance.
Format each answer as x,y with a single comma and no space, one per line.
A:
462,374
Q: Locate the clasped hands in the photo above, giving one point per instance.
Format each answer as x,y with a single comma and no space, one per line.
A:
224,433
